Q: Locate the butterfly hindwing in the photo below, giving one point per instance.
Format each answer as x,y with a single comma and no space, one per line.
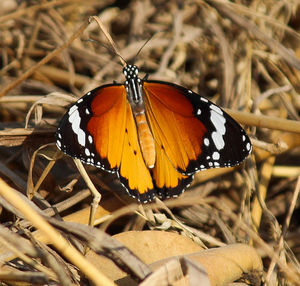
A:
133,172
168,181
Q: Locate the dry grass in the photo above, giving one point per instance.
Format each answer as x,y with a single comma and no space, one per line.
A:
243,56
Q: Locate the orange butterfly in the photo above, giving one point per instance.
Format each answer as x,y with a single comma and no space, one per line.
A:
155,135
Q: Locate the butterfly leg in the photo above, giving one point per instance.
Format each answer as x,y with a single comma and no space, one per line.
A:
96,195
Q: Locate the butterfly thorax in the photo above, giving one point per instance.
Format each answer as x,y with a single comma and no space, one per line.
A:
134,90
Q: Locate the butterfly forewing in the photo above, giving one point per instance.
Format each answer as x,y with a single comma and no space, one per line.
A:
93,129
195,133
174,125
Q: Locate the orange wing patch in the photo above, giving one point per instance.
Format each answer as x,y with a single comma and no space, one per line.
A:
133,172
108,124
173,124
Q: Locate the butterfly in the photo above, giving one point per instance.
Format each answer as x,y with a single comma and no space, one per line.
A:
154,135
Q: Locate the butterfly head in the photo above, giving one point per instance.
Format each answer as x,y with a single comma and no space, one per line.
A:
130,72
133,83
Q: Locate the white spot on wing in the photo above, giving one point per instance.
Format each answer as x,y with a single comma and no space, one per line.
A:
216,155
218,140
218,121
206,142
75,119
248,146
216,109
203,99
87,152
72,109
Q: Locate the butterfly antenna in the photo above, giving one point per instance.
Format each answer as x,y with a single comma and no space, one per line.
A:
106,47
143,47
109,38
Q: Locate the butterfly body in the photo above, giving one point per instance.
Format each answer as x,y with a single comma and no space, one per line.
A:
155,135
134,90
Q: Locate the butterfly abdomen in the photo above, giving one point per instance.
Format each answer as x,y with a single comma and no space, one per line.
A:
146,139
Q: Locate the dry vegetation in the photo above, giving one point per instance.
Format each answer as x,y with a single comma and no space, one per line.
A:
242,55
